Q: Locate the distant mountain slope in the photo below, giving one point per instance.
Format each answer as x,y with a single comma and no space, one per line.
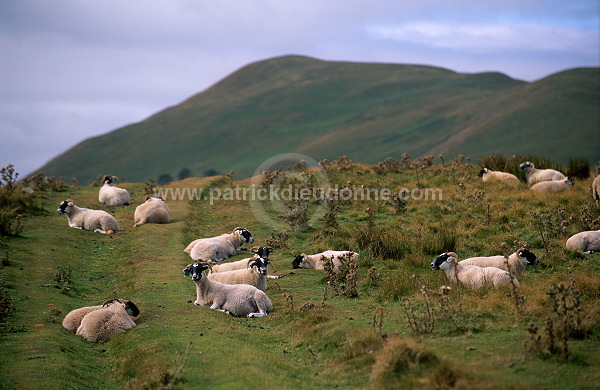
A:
364,110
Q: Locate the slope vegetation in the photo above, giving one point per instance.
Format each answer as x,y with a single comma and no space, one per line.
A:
364,110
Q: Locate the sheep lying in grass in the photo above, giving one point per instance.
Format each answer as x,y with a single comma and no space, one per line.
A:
553,186
153,210
239,300
220,247
259,251
98,221
101,323
487,175
73,319
110,195
471,276
596,190
317,261
516,261
534,175
255,275
584,242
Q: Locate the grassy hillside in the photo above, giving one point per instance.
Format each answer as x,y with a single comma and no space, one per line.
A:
366,111
315,338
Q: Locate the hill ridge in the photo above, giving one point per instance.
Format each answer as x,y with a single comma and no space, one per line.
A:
368,111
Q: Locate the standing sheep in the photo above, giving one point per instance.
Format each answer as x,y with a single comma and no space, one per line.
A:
220,247
317,261
110,195
99,326
584,242
471,276
239,300
98,221
596,190
153,210
553,186
487,175
534,175
516,261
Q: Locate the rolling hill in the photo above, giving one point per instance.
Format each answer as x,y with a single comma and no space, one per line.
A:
367,111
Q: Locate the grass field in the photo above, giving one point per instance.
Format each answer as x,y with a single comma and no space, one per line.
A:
314,338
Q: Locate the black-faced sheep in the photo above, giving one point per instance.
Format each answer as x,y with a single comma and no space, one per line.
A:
220,247
516,262
153,210
98,221
102,324
255,274
584,242
317,262
553,186
239,300
471,276
488,175
534,175
111,195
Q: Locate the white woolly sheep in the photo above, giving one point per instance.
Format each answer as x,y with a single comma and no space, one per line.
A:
471,276
110,195
259,251
239,300
98,221
584,242
517,262
553,186
220,247
99,326
534,175
596,190
255,275
73,319
153,210
487,175
317,262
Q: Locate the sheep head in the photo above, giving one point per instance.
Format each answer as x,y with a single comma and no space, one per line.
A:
482,172
262,251
244,233
529,256
526,165
195,270
449,257
298,260
64,206
261,265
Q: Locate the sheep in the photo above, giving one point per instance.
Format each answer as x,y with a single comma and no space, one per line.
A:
98,221
487,175
317,262
220,247
110,195
534,175
596,190
517,262
113,318
73,319
153,210
238,300
255,275
584,242
553,186
262,251
471,276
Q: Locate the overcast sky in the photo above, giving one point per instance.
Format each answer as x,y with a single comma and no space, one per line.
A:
73,69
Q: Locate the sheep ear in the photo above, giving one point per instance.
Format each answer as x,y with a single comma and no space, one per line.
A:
186,270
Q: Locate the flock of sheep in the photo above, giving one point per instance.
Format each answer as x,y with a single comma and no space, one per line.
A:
238,288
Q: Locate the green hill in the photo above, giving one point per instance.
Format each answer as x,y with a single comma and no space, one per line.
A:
364,110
